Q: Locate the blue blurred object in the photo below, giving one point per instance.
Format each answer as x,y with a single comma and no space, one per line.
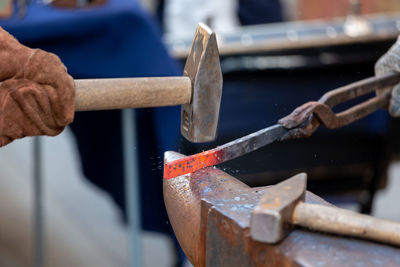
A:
260,11
117,39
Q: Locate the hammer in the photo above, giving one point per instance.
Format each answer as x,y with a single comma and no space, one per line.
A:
282,207
199,90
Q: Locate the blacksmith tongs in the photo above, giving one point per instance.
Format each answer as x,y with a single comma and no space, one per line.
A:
302,122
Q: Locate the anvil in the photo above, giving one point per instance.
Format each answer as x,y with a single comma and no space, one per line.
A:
210,213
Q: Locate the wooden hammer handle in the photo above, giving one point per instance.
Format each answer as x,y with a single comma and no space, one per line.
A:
344,222
100,94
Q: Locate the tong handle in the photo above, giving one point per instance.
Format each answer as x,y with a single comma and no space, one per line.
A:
359,111
360,88
355,90
304,120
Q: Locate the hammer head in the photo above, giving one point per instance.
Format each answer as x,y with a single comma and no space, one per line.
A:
271,219
199,119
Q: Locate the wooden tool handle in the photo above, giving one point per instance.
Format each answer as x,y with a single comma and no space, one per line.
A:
100,94
339,221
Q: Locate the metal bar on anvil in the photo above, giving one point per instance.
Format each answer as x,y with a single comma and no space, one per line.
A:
224,153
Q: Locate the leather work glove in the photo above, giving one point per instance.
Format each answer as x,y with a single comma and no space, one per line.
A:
36,94
390,62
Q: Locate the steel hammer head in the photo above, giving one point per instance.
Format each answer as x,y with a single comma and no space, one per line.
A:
199,119
271,219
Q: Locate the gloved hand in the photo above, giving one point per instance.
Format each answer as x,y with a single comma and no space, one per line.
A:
36,95
390,62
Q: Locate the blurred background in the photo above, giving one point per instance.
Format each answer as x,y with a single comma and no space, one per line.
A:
63,200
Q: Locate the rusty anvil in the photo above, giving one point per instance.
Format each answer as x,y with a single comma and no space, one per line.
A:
210,212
